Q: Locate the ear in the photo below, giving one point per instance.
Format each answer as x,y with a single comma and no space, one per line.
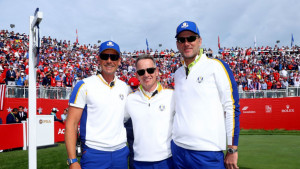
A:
157,71
119,61
200,41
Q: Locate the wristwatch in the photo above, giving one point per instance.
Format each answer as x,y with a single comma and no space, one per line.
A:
231,150
71,161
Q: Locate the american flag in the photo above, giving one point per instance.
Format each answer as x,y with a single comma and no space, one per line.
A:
2,96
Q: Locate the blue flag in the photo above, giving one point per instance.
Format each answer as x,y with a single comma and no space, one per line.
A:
147,45
292,42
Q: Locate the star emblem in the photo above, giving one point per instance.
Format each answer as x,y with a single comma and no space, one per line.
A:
9,110
25,109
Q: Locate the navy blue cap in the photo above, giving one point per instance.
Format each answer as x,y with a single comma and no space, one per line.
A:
187,26
109,45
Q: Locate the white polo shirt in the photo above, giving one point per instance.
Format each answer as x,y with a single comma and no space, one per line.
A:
152,119
101,123
207,106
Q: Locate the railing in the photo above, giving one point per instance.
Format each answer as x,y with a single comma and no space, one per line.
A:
278,93
65,92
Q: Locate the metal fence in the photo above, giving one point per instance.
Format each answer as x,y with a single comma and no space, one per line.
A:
65,92
279,93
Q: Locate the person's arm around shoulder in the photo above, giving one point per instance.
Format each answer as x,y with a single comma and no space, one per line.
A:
73,118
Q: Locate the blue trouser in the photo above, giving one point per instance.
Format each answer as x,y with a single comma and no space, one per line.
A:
96,159
164,164
191,159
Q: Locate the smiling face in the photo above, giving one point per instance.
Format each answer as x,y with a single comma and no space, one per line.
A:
148,80
189,50
109,67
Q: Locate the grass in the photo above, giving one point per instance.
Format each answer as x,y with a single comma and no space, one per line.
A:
47,158
258,149
269,152
270,132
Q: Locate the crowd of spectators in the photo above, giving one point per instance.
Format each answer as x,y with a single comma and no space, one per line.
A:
62,63
264,68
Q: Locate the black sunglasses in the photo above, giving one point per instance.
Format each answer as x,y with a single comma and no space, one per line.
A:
150,70
189,39
113,57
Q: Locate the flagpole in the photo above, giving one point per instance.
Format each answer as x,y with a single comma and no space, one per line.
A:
33,61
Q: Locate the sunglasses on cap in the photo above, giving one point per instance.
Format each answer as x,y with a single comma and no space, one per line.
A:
113,57
150,70
184,39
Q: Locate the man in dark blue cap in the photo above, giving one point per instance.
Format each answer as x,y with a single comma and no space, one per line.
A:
98,102
206,121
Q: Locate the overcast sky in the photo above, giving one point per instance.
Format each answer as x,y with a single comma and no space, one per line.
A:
130,22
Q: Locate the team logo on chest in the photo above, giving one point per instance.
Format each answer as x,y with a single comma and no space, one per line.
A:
199,79
121,96
162,107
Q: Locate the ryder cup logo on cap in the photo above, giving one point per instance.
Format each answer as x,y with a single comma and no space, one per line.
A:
109,45
184,25
187,26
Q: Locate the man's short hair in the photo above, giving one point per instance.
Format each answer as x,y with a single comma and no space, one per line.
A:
15,110
21,107
144,56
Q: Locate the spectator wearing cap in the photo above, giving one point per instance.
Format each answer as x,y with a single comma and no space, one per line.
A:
59,78
99,102
53,112
134,83
20,85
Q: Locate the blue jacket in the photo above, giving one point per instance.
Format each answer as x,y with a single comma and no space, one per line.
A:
11,118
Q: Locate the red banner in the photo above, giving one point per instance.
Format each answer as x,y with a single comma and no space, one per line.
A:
11,136
269,113
59,132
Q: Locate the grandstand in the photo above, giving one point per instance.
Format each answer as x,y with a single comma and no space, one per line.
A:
259,72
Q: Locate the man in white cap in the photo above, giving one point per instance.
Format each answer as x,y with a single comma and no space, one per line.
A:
98,102
53,112
207,107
